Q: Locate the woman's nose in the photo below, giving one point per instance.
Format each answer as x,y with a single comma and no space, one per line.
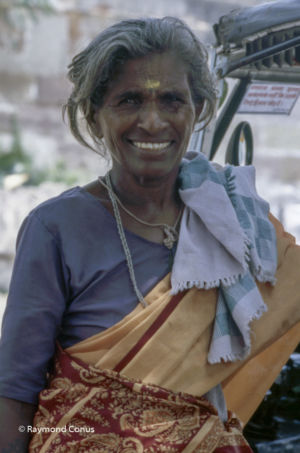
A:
151,119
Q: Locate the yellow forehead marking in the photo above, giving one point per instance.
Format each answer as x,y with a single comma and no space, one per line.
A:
152,84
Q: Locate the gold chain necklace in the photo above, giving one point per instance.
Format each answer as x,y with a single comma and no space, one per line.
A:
170,232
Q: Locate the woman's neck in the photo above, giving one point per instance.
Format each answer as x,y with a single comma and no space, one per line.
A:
146,193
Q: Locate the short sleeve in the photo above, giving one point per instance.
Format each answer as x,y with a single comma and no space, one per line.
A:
35,306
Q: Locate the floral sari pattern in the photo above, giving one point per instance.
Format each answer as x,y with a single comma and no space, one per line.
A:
93,410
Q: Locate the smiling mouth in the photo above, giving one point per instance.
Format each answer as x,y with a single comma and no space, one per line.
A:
158,146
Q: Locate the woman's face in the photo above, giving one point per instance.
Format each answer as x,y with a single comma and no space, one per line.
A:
147,117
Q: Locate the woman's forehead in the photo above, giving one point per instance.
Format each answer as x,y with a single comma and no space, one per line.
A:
153,72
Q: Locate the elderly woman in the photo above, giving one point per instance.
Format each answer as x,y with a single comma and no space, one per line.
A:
141,284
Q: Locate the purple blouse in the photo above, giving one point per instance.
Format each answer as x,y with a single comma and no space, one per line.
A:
70,281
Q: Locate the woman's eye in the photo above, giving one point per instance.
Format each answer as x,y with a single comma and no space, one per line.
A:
172,99
129,101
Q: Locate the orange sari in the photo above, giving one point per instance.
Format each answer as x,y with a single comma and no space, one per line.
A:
137,386
102,410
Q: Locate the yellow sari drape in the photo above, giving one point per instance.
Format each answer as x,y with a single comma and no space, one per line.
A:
176,357
122,414
245,389
166,345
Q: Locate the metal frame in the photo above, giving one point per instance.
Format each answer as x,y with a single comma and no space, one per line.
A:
229,59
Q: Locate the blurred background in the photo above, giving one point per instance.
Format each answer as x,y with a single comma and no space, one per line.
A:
39,158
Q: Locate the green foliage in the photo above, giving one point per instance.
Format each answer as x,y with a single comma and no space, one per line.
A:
16,160
28,5
58,173
13,14
32,6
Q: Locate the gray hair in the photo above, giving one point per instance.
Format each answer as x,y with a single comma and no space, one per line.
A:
92,69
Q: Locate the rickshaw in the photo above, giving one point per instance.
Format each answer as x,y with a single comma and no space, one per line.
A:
257,53
256,47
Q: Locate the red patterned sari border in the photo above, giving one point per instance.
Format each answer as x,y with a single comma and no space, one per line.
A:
115,414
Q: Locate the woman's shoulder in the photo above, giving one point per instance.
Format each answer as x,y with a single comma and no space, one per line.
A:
71,201
64,198
70,210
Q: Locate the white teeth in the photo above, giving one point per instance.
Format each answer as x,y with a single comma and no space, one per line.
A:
150,145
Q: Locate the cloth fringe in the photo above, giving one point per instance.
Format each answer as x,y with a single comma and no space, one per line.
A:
226,241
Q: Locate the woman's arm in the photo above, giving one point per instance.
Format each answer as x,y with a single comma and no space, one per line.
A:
33,314
15,417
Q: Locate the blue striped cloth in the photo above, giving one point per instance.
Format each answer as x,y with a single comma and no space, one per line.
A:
227,241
